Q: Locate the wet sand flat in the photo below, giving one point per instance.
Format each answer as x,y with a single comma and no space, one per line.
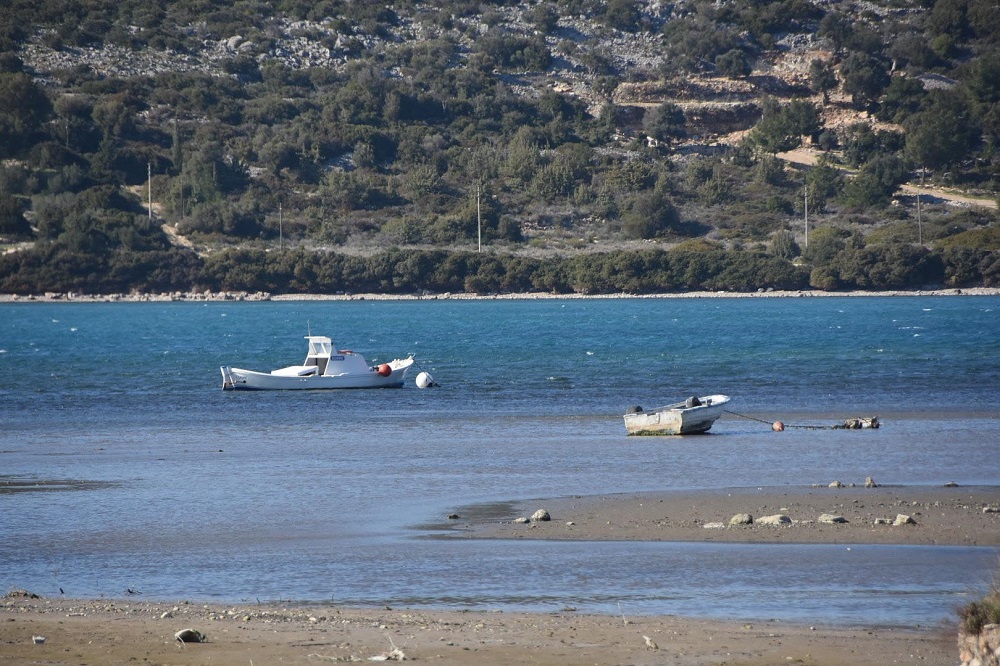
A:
130,630
959,516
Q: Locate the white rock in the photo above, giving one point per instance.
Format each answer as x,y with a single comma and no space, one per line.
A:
741,519
776,519
190,636
540,516
903,519
830,518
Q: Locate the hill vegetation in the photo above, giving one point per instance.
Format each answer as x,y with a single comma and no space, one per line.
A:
587,146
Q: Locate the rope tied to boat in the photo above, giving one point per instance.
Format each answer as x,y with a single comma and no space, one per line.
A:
849,424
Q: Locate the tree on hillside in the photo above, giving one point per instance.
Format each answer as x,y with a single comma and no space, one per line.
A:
12,222
865,78
782,128
23,109
666,123
822,78
824,182
836,27
651,214
733,63
942,133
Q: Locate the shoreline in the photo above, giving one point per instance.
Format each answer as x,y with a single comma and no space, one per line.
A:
239,296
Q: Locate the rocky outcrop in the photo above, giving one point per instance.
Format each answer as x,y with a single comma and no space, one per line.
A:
981,649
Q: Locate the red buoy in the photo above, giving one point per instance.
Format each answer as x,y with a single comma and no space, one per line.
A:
384,370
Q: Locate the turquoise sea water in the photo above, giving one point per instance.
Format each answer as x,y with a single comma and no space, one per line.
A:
170,486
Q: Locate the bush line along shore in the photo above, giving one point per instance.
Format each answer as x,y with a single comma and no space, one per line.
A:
73,297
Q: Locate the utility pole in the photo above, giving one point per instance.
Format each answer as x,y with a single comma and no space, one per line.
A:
479,217
281,240
149,188
920,227
805,193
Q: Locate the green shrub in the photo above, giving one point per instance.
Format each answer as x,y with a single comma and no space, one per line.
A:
977,614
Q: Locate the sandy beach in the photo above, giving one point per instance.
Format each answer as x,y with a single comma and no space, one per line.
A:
129,631
134,630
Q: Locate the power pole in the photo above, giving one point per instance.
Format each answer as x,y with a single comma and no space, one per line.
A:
281,240
149,188
479,217
805,193
920,227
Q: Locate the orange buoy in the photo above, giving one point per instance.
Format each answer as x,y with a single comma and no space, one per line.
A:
777,426
384,370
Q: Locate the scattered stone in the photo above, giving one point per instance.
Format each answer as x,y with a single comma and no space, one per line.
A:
650,644
20,594
991,509
776,519
903,519
881,521
836,484
859,423
870,482
714,526
38,640
453,516
522,520
830,519
951,484
741,519
394,655
190,636
540,516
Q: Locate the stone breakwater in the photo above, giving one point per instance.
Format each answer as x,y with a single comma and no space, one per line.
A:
75,297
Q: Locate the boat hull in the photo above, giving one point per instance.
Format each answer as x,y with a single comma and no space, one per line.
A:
677,419
238,379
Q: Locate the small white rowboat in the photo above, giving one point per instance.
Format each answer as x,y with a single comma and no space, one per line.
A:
694,415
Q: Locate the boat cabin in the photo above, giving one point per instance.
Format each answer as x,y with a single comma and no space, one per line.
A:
320,351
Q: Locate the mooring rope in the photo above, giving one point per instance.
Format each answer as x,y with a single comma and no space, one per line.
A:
786,425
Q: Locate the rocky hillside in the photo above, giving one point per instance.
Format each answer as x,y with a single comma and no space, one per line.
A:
535,128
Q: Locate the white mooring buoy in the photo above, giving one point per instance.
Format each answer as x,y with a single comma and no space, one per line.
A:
424,380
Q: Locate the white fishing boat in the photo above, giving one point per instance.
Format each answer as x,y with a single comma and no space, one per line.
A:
324,368
694,415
